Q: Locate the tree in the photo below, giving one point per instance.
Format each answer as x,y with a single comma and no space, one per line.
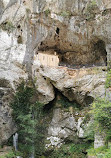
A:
28,117
101,110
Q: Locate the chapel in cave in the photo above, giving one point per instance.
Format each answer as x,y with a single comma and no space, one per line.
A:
47,58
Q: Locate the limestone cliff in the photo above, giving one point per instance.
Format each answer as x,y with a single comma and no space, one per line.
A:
78,30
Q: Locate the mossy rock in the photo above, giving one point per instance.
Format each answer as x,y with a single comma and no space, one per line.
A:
7,26
20,40
4,83
47,12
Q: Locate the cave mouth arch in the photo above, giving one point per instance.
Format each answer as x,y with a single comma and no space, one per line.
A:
88,100
93,54
99,53
96,55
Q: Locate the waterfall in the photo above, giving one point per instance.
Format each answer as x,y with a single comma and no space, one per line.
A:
32,155
15,141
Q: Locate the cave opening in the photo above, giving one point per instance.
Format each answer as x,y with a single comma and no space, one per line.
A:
48,107
61,101
57,31
100,53
88,100
20,40
95,56
18,26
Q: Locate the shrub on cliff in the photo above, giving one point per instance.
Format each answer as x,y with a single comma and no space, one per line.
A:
101,110
7,26
108,79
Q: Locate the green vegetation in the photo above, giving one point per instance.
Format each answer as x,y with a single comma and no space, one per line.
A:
89,131
97,152
109,65
108,79
71,151
101,110
11,154
7,26
28,10
101,152
47,12
101,122
101,119
28,116
8,155
90,11
65,103
65,13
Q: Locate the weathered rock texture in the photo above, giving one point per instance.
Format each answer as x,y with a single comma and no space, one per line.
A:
62,127
78,30
7,127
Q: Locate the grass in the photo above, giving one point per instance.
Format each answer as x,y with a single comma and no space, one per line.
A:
108,79
94,152
47,12
65,14
101,152
10,154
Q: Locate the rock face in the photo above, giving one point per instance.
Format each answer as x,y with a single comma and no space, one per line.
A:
7,127
84,41
63,126
1,7
81,85
99,140
79,32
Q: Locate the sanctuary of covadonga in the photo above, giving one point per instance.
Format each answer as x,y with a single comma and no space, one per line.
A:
47,58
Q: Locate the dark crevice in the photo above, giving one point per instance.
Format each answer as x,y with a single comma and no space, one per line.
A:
19,39
48,107
18,26
88,100
57,31
62,100
99,51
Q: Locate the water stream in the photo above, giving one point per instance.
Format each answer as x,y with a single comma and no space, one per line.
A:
15,141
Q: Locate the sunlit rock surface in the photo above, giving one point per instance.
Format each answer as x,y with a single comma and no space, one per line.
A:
80,85
64,126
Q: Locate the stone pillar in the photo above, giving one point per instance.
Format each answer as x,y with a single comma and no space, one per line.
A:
108,49
99,139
